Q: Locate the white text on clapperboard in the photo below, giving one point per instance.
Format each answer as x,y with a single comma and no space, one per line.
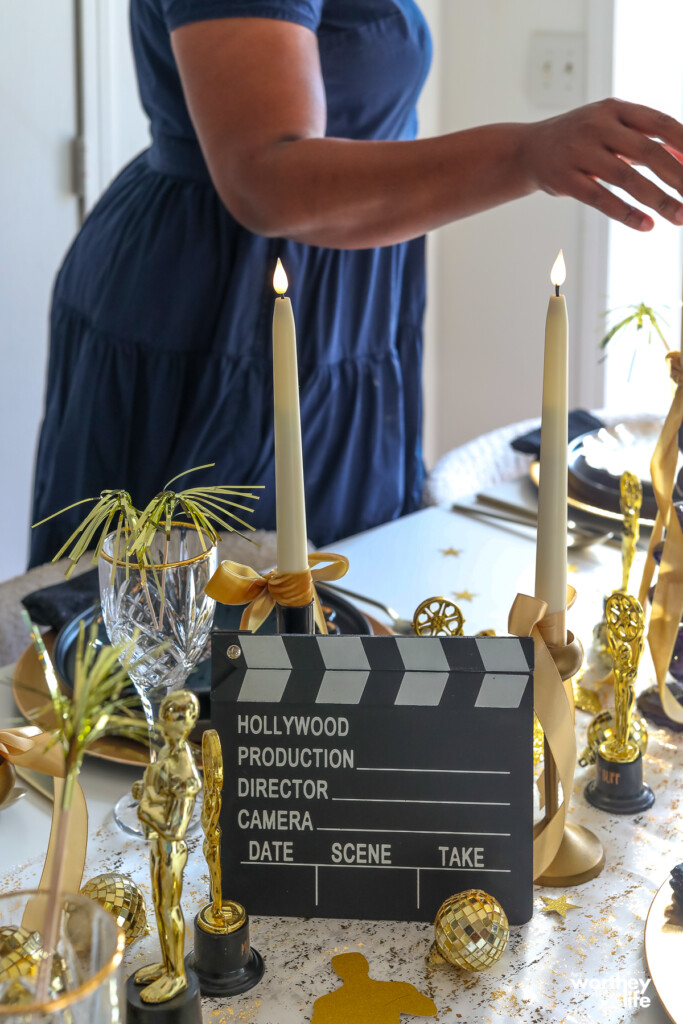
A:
253,758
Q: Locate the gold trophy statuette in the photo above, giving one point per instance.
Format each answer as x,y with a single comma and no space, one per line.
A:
630,503
618,786
223,958
164,991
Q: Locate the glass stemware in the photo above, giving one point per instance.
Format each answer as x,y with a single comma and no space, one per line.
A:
159,602
83,976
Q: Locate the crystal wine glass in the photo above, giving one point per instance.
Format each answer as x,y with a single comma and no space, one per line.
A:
159,602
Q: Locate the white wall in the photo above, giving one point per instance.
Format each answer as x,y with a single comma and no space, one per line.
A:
38,216
492,282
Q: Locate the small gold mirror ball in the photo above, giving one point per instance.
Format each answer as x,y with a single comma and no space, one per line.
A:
123,898
471,930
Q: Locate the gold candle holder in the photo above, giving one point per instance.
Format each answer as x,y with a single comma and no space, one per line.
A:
580,856
618,786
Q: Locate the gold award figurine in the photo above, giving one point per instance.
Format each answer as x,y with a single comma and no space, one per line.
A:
618,786
166,797
223,958
630,504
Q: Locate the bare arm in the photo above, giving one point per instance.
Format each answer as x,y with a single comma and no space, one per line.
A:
256,96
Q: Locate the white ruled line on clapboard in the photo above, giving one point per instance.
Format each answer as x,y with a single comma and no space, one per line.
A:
437,771
409,831
369,867
400,800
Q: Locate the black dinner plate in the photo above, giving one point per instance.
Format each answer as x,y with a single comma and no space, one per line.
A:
341,617
598,487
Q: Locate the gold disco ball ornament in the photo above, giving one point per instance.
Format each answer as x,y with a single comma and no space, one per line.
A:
123,899
471,930
20,953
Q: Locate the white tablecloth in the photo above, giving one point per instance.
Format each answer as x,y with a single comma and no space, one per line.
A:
575,970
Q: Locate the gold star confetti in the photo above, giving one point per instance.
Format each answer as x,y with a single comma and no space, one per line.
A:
572,568
558,906
451,551
463,595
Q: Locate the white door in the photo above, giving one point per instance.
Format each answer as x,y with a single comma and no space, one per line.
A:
48,96
38,216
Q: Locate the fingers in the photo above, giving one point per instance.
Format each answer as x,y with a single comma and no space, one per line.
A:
591,192
640,149
648,121
629,140
644,191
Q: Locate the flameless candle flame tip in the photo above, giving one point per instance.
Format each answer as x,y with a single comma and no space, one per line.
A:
280,282
559,272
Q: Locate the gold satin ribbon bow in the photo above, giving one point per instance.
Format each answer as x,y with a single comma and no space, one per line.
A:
554,707
234,583
29,747
667,603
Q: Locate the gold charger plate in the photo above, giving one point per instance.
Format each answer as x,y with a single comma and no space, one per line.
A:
664,951
32,697
582,506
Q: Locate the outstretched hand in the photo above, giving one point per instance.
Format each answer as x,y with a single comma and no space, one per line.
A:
574,153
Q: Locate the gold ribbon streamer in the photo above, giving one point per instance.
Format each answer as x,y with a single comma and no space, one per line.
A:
234,583
667,603
553,704
29,747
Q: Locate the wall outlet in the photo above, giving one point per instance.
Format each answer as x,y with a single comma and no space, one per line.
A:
557,62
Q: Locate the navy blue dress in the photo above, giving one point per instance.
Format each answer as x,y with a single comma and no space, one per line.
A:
160,350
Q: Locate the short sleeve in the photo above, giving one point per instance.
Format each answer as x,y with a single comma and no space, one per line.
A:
183,12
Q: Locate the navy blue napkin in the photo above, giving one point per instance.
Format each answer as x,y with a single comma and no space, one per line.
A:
56,605
580,421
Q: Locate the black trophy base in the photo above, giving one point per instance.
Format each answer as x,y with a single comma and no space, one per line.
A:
292,620
618,787
225,963
184,1009
650,707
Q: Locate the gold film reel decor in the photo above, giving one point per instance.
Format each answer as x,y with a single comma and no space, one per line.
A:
438,616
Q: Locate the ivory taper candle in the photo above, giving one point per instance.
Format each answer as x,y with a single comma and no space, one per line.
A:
551,544
292,547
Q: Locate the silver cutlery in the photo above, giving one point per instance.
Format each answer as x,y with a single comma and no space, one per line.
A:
581,537
399,624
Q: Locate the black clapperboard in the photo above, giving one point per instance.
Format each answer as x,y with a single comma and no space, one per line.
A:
374,776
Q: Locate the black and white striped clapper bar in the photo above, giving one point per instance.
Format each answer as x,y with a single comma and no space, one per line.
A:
372,777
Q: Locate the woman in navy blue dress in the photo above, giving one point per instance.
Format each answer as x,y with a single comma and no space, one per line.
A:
285,128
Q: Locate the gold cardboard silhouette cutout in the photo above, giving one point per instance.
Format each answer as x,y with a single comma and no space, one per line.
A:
362,1000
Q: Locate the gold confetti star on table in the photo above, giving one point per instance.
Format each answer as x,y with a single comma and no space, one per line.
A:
451,551
572,568
463,595
558,906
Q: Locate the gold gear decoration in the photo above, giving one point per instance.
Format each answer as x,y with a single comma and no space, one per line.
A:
437,616
471,930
